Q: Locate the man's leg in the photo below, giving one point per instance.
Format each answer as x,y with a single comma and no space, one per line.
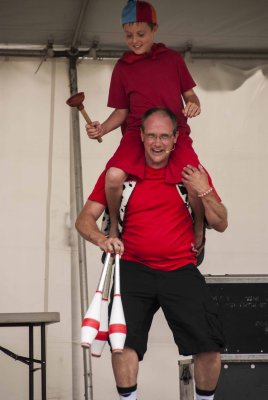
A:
125,367
207,367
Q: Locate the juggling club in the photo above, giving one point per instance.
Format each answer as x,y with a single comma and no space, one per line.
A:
117,325
91,321
102,336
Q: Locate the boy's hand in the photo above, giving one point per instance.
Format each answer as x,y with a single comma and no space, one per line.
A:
94,130
191,110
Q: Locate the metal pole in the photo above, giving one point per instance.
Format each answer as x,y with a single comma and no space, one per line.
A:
79,23
79,204
43,362
196,54
31,363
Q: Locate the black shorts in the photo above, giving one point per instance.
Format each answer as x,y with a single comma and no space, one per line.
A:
185,300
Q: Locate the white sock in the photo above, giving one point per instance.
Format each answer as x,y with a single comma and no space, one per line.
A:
203,397
127,393
129,396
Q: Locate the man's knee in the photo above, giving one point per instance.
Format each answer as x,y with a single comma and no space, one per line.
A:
210,357
127,360
207,367
125,367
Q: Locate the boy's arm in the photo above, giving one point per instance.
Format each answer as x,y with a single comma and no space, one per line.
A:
115,119
192,104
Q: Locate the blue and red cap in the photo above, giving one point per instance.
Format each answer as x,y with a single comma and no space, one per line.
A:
138,11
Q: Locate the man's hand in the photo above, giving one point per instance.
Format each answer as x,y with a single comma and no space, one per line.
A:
111,245
195,179
197,185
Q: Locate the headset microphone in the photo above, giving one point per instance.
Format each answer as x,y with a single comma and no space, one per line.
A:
169,151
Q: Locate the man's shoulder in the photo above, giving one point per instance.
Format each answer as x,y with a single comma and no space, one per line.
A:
98,193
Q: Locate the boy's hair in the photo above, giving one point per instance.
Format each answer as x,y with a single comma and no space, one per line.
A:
162,111
138,11
150,24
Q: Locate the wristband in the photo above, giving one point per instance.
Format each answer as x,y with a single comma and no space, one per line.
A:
205,193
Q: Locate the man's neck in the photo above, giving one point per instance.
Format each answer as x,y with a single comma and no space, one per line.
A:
156,165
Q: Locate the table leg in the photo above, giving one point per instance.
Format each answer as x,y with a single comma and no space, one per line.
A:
31,364
43,361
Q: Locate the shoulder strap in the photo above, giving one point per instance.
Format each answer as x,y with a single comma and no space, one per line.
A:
184,196
127,191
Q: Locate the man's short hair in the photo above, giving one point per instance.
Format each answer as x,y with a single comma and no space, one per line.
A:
162,111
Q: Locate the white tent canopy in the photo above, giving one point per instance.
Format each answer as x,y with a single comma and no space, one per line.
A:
207,27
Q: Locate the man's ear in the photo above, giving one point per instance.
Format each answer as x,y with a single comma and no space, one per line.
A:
142,137
176,137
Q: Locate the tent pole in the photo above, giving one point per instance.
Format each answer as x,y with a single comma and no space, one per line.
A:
88,386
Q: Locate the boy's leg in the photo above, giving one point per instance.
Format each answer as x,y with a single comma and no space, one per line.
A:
207,367
199,218
184,155
125,367
114,180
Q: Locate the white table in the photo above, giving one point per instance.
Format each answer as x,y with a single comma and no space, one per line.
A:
31,320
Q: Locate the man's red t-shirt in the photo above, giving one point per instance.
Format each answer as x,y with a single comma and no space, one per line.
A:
158,229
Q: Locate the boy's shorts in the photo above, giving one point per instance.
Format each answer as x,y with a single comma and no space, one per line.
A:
185,300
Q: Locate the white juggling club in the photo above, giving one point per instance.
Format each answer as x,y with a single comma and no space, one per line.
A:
117,325
102,336
91,321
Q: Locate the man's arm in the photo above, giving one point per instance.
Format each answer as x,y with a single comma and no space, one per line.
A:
196,182
86,225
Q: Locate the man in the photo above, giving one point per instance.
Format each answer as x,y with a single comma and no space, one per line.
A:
158,260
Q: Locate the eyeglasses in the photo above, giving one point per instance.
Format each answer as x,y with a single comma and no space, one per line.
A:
164,137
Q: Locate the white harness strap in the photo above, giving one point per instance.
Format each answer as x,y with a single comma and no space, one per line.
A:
127,191
184,196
